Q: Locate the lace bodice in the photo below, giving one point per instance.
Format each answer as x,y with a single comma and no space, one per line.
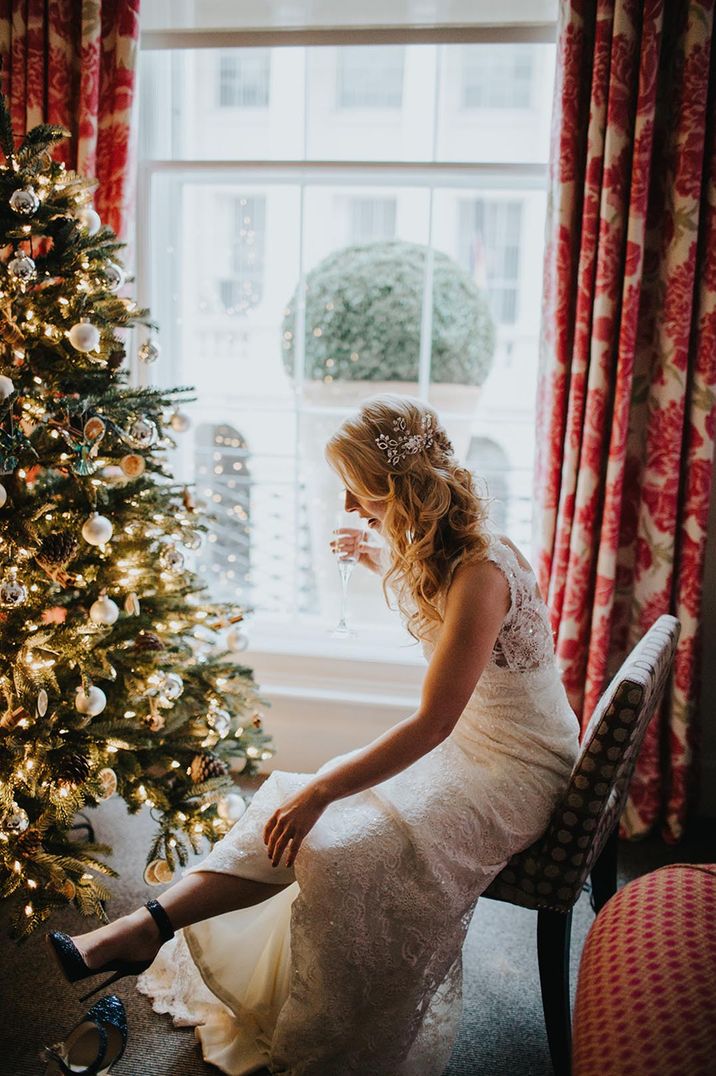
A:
524,643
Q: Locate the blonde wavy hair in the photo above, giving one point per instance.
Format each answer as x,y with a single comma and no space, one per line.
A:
434,516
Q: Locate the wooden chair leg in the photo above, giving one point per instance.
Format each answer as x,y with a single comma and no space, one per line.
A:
604,873
553,936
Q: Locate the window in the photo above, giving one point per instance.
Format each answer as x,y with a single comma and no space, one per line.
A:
370,77
242,214
497,78
371,219
243,288
489,240
243,78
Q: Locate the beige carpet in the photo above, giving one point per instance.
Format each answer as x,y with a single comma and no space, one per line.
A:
502,1030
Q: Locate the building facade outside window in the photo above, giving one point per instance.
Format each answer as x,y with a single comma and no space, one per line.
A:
370,77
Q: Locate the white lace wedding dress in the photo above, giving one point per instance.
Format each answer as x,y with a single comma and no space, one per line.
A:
356,967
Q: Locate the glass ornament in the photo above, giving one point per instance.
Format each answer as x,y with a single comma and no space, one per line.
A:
22,268
25,202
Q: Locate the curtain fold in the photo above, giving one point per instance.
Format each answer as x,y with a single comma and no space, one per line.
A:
627,389
72,62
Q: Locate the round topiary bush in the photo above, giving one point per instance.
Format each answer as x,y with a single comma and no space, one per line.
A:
364,311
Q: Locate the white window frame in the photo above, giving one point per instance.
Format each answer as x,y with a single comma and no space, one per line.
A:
292,665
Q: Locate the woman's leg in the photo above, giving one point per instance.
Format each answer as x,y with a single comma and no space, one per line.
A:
201,895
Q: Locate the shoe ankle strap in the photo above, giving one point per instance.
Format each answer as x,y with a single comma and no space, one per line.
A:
164,923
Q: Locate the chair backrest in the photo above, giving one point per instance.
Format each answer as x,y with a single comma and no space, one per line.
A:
551,872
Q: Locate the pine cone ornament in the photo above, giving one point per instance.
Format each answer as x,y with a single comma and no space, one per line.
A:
205,766
147,641
72,769
55,553
29,843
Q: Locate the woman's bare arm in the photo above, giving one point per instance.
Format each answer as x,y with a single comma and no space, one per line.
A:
476,605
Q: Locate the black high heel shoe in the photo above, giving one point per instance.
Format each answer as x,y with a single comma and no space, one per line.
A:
94,1045
74,968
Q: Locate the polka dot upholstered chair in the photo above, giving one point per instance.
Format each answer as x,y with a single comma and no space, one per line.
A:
646,993
581,839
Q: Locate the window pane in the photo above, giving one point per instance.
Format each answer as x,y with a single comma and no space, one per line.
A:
496,237
370,77
243,78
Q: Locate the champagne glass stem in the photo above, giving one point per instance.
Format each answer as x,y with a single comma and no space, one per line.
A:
345,573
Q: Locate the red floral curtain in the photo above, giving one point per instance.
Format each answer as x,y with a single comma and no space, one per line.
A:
626,408
72,62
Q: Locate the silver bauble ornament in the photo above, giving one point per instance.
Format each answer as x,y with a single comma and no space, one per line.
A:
6,387
25,201
173,685
108,780
42,702
12,593
90,219
142,433
180,422
3,495
113,275
22,268
148,352
16,821
97,529
90,702
231,807
237,640
171,558
104,610
192,540
84,336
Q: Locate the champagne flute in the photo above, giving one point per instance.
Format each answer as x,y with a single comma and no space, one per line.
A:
347,555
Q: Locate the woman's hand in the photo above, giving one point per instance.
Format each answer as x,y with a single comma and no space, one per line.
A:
349,540
292,821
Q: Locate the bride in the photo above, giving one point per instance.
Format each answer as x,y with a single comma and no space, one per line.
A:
323,935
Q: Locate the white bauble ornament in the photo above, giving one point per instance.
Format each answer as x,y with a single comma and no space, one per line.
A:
91,702
158,873
142,433
108,780
231,807
180,422
239,764
42,702
25,201
220,720
3,495
172,559
90,219
6,387
84,336
173,685
237,640
113,275
16,821
149,352
104,610
97,529
22,268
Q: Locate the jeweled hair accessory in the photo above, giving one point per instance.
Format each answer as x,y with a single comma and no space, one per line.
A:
405,443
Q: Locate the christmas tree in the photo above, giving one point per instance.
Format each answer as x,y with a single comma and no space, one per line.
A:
117,676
